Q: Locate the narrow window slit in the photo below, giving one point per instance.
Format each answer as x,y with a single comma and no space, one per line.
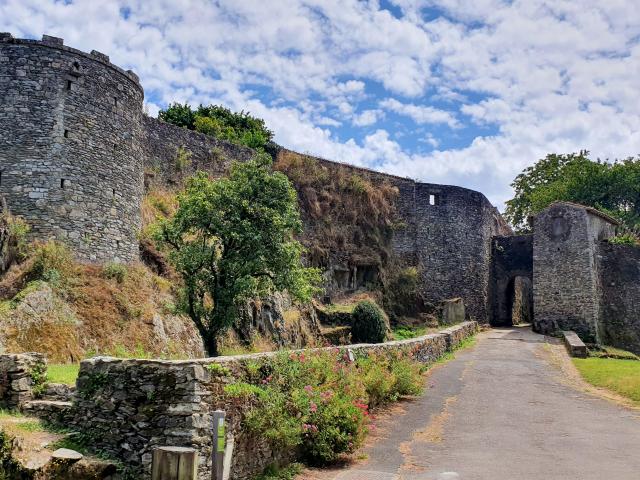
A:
69,84
63,183
66,134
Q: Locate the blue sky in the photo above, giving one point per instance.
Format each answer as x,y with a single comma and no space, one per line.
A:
465,92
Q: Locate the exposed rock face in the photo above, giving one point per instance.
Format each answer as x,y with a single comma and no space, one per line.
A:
279,319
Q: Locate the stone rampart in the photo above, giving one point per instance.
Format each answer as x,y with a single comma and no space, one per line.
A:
131,406
619,274
70,153
566,292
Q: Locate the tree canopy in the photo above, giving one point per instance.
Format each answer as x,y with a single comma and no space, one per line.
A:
220,122
613,188
232,240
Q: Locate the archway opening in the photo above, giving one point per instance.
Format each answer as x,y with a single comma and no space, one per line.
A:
519,297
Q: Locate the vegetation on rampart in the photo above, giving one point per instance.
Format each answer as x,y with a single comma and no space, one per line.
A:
343,210
51,304
220,122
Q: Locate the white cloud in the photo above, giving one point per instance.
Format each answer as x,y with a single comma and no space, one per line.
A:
530,76
420,114
367,117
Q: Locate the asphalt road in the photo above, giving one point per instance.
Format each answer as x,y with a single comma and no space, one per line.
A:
501,411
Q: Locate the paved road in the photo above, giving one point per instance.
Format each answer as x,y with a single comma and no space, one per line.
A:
500,412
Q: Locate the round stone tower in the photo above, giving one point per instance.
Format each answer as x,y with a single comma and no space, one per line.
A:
70,146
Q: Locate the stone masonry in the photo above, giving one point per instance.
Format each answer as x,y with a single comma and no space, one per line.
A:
19,374
70,154
131,406
565,269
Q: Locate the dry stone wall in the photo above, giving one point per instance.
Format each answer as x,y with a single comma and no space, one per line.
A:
131,406
19,375
70,153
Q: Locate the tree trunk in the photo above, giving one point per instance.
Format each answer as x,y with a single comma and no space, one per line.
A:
211,344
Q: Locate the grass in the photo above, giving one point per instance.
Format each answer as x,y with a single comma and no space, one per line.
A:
404,333
619,376
466,343
18,421
63,373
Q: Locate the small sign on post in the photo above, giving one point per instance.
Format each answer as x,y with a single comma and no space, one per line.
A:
219,436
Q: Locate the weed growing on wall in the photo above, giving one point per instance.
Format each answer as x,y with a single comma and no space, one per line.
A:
320,401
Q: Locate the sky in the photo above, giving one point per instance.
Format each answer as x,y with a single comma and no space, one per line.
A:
460,92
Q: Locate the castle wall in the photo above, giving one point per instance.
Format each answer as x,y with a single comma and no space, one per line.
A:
566,287
454,227
163,142
619,274
70,153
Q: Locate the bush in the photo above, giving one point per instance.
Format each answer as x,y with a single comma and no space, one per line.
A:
52,262
625,239
369,324
319,402
115,271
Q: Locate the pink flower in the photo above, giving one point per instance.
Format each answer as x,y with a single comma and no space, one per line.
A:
308,388
313,407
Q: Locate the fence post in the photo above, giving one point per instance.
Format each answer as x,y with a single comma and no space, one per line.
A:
174,463
217,465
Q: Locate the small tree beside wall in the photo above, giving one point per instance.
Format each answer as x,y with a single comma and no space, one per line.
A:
232,239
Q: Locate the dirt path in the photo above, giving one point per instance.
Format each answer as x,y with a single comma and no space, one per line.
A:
500,411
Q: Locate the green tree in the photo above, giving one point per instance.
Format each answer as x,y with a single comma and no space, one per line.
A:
232,239
179,114
610,187
220,122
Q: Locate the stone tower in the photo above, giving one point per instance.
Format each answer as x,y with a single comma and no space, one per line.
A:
70,146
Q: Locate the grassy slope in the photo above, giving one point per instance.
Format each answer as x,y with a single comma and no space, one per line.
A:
620,376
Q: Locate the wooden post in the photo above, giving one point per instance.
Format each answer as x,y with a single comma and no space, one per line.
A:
174,463
217,465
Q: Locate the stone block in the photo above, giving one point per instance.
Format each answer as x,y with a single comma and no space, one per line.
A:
575,346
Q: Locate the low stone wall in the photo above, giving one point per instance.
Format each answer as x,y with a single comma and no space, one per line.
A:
129,407
19,374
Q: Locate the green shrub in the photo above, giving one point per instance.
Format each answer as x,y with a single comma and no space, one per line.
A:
52,262
625,239
369,324
319,401
115,271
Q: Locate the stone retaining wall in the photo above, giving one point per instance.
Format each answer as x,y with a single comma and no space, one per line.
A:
19,374
129,407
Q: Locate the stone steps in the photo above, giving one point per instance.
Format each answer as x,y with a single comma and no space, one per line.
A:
53,411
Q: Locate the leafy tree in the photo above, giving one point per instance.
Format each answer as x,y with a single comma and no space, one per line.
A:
220,122
178,114
232,240
611,187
